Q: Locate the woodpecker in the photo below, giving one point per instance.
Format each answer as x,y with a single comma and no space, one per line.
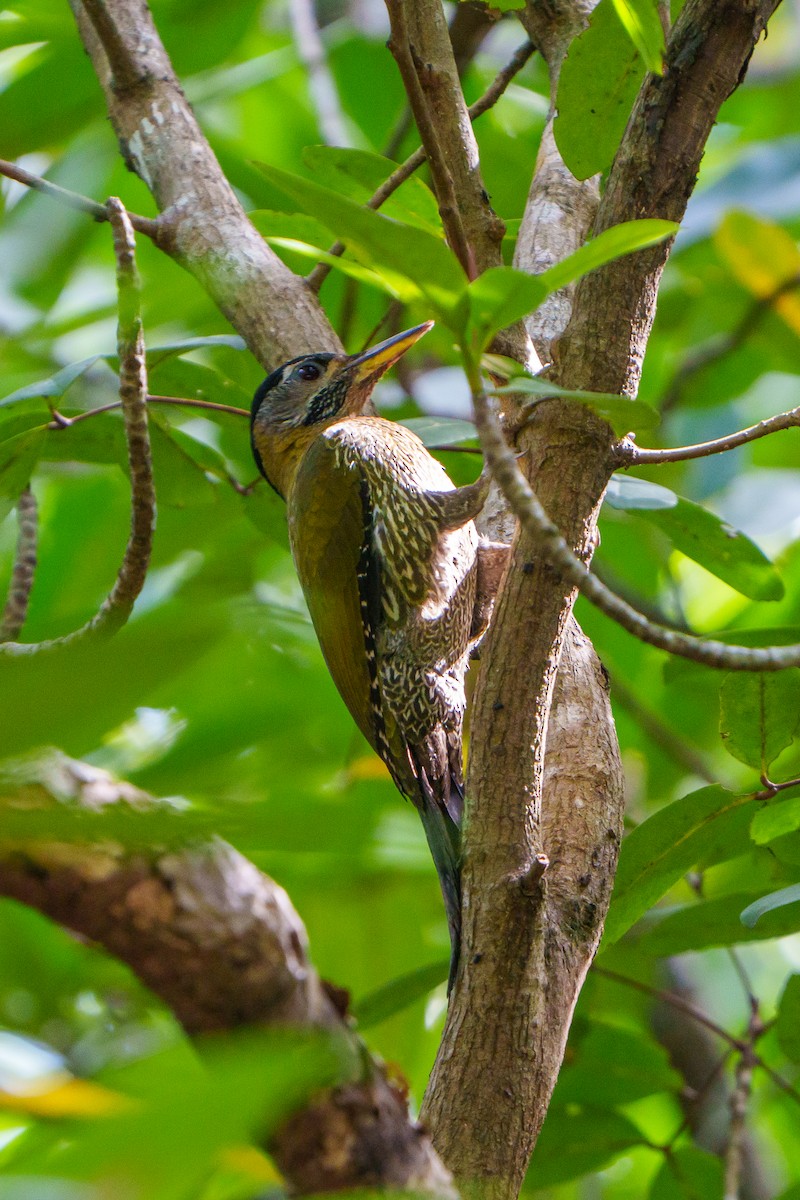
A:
387,555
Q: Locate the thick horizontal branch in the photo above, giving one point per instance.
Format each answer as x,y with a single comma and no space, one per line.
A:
222,946
628,454
525,504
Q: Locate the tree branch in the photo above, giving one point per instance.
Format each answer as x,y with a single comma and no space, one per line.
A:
202,225
118,605
320,80
316,278
653,175
73,199
553,547
24,570
421,45
628,454
222,946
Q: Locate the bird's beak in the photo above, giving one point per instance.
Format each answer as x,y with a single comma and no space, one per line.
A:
374,362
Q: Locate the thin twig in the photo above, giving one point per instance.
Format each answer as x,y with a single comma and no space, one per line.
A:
697,1014
117,607
628,454
316,278
674,1001
526,506
699,1094
719,347
321,84
738,1103
22,575
74,199
59,421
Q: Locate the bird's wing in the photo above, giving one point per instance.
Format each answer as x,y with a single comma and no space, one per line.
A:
332,547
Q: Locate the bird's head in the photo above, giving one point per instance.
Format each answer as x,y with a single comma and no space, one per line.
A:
307,394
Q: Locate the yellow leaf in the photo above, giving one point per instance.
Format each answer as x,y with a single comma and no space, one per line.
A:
368,766
60,1095
763,257
249,1161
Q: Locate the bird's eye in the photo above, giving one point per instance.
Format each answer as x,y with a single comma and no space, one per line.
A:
309,371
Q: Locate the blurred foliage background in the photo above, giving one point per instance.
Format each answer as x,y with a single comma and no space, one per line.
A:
216,692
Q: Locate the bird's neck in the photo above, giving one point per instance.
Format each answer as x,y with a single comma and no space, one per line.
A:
281,455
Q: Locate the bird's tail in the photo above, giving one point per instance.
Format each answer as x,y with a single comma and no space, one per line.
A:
444,840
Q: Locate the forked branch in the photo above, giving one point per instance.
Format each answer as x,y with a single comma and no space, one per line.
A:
526,505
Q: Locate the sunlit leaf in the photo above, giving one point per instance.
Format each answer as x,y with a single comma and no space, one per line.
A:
623,415
415,255
609,245
763,257
628,492
715,545
359,173
641,22
776,820
441,431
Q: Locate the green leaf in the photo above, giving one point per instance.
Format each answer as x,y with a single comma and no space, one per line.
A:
347,266
759,715
499,297
705,827
628,492
414,255
435,432
613,1066
717,922
399,994
623,415
599,82
297,227
609,245
18,458
720,549
767,906
689,1173
574,1144
641,22
54,385
787,1026
359,174
775,821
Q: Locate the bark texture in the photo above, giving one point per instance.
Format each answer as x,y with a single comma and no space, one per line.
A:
201,223
525,955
